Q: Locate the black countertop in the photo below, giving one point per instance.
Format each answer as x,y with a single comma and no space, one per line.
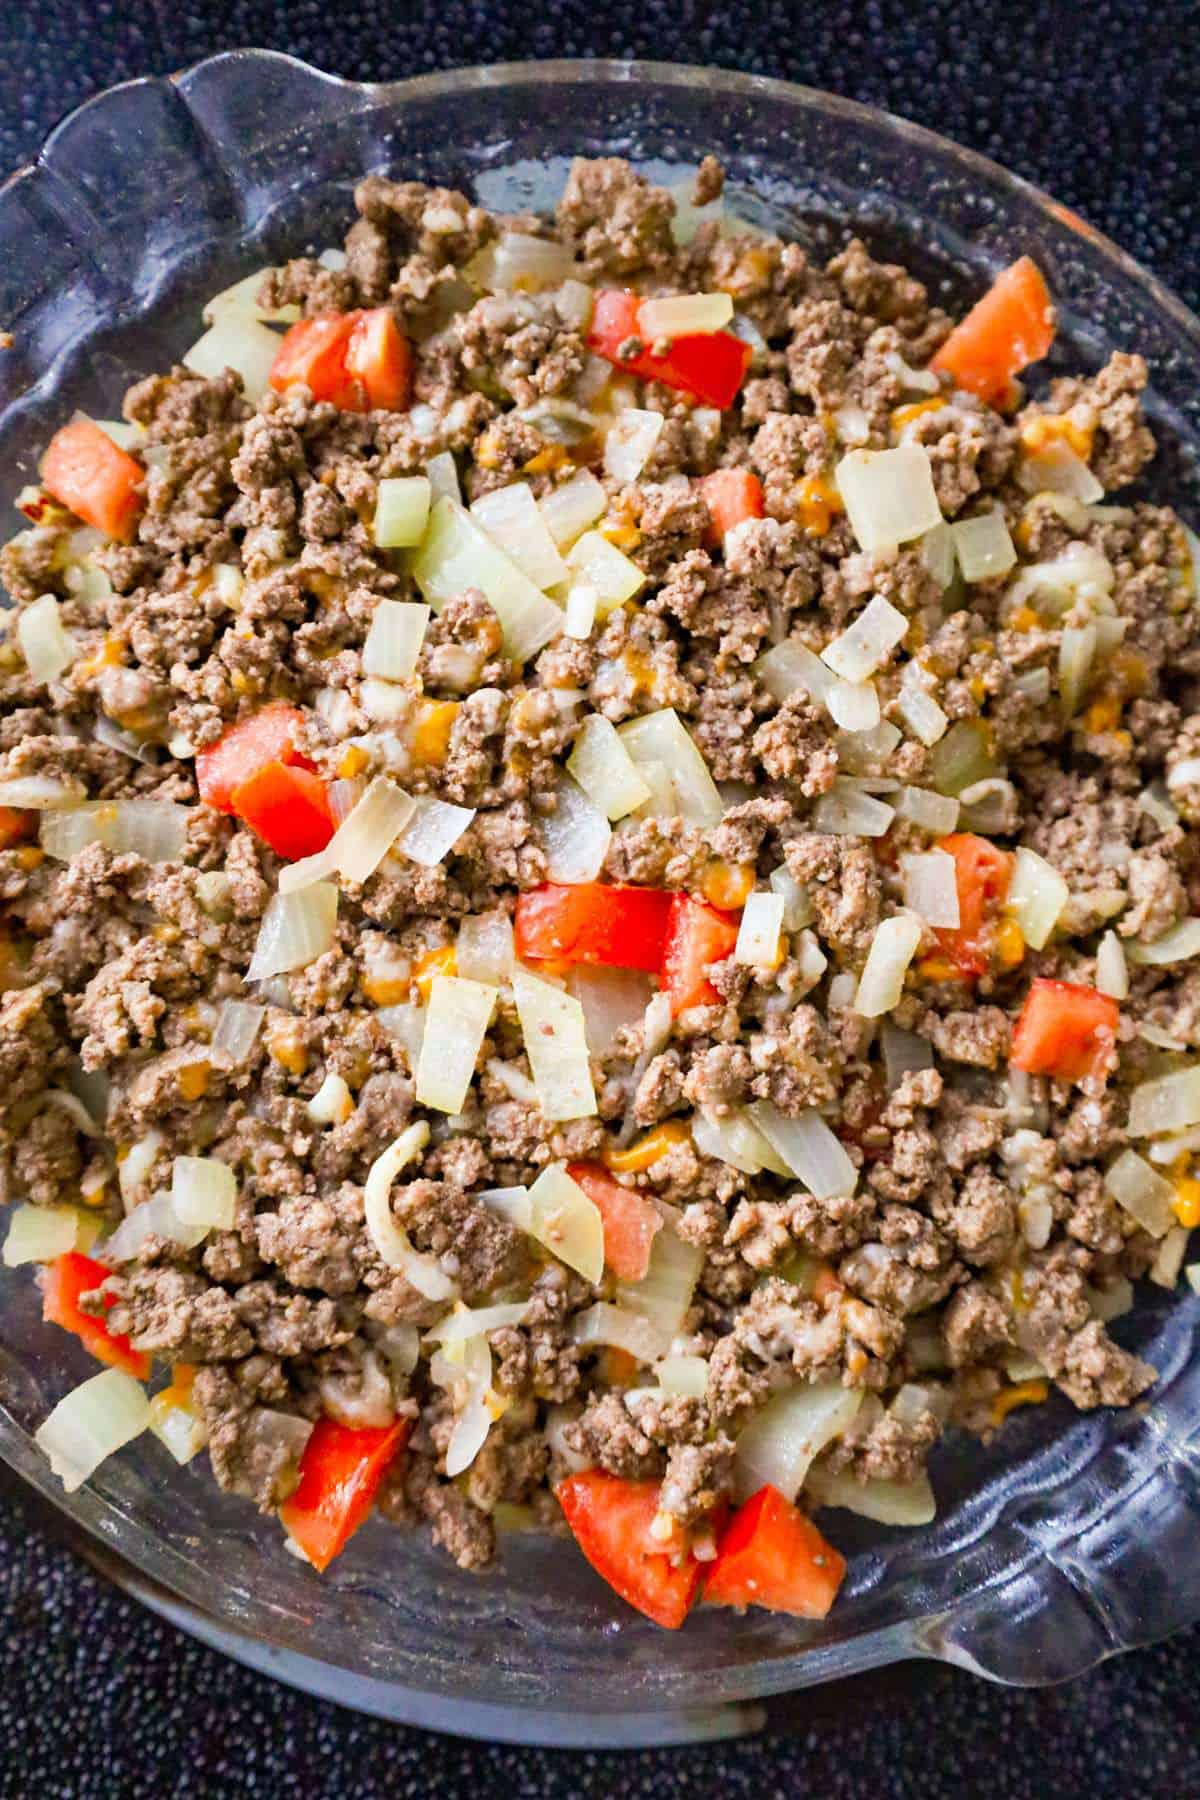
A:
98,1697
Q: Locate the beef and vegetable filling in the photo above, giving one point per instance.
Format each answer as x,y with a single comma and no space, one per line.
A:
598,888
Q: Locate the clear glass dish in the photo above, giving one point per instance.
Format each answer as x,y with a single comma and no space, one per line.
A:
1072,1537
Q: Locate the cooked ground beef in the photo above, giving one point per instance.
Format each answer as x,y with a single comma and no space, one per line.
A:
968,1220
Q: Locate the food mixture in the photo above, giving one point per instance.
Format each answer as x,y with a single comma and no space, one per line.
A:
598,889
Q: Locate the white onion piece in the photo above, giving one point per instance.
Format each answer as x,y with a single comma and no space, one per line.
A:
456,1327
1143,1193
1034,685
780,1442
1178,944
888,495
556,1045
484,948
604,769
760,932
575,836
393,642
1169,1104
392,1243
34,793
432,831
735,1139
809,1148
238,1025
605,568
155,1217
401,516
296,929
630,443
95,1419
567,1222
906,1503
866,752
1164,1270
75,1110
856,653
792,665
38,1234
123,435
177,1428
797,907
569,510
513,1080
1112,973
580,604
361,841
661,737
204,1192
931,887
918,708
456,554
238,342
133,1169
511,519
1056,469
611,999
442,471
1076,655
333,1103
242,299
521,263
155,830
456,1023
983,546
937,553
679,315
892,949
904,1052
961,758
663,1297
1154,803
845,811
854,705
113,738
465,1370
511,1203
684,1375
1037,896
47,648
619,1328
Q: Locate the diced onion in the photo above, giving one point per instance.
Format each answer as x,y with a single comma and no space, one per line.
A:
937,553
37,1234
361,841
604,769
484,950
457,554
1056,469
569,510
242,300
513,1080
1145,1195
579,609
511,1203
661,737
48,649
1169,1104
1154,803
887,1502
1037,895
759,934
854,705
520,263
511,519
865,645
556,1045
567,1222
238,342
401,515
1164,1270
456,1327
904,1052
1112,973
136,1166
680,315
1162,1040
610,998
780,1442
846,811
605,568
296,929
1076,655
735,1139
95,1419
456,1024
391,1241
931,887
983,546
1178,944
333,1103
1034,685
432,831
917,707
684,1375
620,1329
123,741
37,792
204,1192
664,1295
442,471
961,758
155,830
892,949
575,836
630,443
155,1217
797,907
888,495
809,1148
394,640
123,435
792,665
465,1369
177,1428
406,1022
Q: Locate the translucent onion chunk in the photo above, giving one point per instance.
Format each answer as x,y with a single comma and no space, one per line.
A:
456,1024
94,1420
556,1045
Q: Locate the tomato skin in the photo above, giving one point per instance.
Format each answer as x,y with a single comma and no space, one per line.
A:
94,478
358,361
1065,1030
378,357
631,1222
772,1555
66,1278
288,807
709,365
731,496
982,876
611,1520
592,922
1010,327
697,935
264,737
340,1474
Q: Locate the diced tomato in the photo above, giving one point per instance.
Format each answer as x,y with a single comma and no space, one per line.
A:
340,1473
731,495
265,737
708,365
771,1555
1065,1030
623,927
66,1278
630,1220
358,361
92,476
611,1520
1012,326
697,936
982,875
16,826
288,808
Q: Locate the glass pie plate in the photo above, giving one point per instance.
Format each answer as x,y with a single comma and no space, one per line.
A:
1073,1535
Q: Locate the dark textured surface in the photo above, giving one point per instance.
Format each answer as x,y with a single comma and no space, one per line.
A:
98,1698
